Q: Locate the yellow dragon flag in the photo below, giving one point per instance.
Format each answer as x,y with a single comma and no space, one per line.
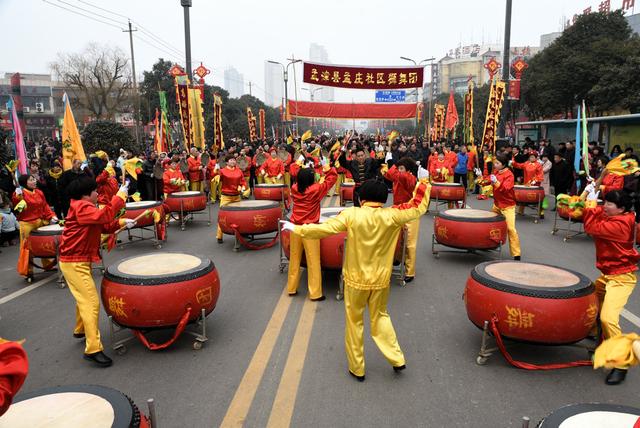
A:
71,144
306,135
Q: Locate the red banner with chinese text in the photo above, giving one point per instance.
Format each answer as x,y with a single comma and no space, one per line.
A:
185,117
343,76
352,110
494,107
262,130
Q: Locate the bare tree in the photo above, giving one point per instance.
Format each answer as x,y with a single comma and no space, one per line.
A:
98,79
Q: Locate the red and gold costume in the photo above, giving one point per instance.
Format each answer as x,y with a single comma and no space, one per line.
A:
306,210
79,247
232,185
617,259
451,159
611,182
195,173
173,181
533,174
273,169
372,233
214,188
107,187
440,171
14,367
504,202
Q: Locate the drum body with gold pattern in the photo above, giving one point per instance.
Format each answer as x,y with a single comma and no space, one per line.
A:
528,194
250,217
533,302
154,290
346,192
43,242
470,229
186,202
447,191
134,209
271,192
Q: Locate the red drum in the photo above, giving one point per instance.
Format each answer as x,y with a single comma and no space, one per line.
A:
43,242
74,406
346,192
533,302
186,202
528,194
134,209
592,415
470,229
447,192
271,192
155,290
250,217
565,212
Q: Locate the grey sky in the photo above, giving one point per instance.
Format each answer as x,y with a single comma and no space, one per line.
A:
244,33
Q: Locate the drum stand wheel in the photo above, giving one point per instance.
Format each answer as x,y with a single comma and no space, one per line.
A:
570,233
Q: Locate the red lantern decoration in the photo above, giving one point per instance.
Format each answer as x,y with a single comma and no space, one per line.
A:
492,66
176,70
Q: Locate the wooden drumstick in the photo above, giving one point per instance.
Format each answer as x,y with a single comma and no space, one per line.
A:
144,214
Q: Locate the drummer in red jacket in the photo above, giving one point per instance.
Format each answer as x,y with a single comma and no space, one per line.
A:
533,174
172,179
273,169
504,200
79,247
232,183
612,228
611,182
195,170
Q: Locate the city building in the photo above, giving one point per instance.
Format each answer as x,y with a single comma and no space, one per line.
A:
318,53
273,84
233,82
547,39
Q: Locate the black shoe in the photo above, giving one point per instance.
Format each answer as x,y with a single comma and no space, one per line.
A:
396,263
78,335
295,293
318,299
359,378
542,217
616,376
99,358
399,368
408,279
220,241
516,258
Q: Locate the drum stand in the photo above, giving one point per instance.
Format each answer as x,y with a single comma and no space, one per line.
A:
118,345
436,252
60,280
186,216
137,238
570,233
440,202
536,205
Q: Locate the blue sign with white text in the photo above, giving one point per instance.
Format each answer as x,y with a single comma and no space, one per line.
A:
390,96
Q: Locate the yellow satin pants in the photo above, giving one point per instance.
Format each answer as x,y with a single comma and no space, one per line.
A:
613,291
80,282
226,200
312,255
413,231
287,179
214,188
260,178
382,330
196,186
510,217
25,230
273,180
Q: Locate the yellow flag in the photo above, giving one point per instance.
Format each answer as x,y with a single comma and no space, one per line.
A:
289,140
71,143
306,135
197,118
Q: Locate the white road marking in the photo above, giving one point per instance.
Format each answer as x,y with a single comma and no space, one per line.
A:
632,318
25,290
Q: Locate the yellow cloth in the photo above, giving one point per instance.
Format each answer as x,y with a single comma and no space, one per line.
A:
510,217
381,327
71,143
617,352
110,170
273,180
196,186
413,231
214,188
287,179
20,206
613,291
312,255
80,282
226,200
26,227
372,234
131,166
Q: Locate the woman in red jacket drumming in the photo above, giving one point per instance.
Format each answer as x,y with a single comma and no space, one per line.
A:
172,178
273,169
533,174
33,212
612,226
439,169
232,185
504,200
403,184
80,245
307,196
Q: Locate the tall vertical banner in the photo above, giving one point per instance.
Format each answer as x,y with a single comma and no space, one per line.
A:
16,92
18,137
452,116
71,144
468,115
494,106
262,124
585,139
157,138
252,125
438,122
197,118
167,141
218,139
182,92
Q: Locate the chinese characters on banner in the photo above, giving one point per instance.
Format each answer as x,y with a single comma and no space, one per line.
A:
363,77
218,139
438,122
262,130
604,6
468,115
252,125
182,91
494,106
197,118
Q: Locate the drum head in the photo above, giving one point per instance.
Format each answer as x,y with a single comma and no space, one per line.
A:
243,163
158,268
250,205
447,184
71,406
142,204
185,194
270,185
260,158
532,279
347,184
283,155
51,229
327,213
522,187
593,415
471,215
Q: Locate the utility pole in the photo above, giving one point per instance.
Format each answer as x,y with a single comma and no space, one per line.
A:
293,61
136,96
506,69
186,4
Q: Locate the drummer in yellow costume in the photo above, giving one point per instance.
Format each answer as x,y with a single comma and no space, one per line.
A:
372,233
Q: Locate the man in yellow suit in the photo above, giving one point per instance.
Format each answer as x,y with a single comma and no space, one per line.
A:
372,233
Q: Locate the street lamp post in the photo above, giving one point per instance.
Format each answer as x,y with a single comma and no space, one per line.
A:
186,4
285,73
421,99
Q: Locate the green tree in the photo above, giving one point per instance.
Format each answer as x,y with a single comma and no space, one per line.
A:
109,137
158,79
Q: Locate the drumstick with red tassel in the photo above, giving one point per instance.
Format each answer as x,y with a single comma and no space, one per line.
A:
140,217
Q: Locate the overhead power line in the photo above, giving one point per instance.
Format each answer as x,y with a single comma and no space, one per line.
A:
92,12
82,14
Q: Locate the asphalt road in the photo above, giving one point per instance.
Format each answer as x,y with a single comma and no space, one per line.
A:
279,361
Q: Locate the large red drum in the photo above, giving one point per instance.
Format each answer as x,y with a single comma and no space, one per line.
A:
533,302
43,242
135,209
528,194
470,229
271,192
250,217
155,290
447,192
186,202
593,415
74,406
346,192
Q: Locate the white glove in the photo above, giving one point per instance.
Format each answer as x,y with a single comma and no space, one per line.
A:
84,166
287,225
54,220
129,223
217,167
477,172
124,188
590,188
344,148
279,176
593,195
324,162
263,172
379,148
112,163
18,190
510,163
494,179
418,163
300,158
422,173
388,157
